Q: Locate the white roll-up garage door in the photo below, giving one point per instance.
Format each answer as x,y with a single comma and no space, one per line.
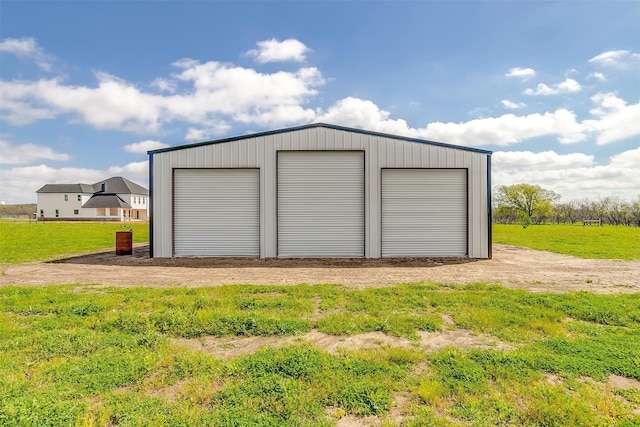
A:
321,204
424,212
216,212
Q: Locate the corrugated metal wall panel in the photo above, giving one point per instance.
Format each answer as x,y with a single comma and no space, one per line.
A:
381,152
424,212
162,216
216,212
321,204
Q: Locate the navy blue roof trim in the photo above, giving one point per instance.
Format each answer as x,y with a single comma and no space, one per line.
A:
323,125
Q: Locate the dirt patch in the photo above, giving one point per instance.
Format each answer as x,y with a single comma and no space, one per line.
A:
623,382
554,379
230,347
169,393
397,413
511,266
461,339
353,421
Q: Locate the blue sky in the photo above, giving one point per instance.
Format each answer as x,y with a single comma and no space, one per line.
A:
553,88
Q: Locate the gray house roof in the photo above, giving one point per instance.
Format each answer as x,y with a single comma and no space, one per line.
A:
104,200
119,185
114,185
67,188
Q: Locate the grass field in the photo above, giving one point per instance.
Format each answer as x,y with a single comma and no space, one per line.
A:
607,242
31,241
103,356
88,355
25,242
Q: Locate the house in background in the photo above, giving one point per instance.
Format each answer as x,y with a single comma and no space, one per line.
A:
114,199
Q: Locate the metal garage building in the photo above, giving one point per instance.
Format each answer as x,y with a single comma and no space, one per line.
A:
320,191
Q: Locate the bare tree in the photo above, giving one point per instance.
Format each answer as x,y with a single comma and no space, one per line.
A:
634,208
566,211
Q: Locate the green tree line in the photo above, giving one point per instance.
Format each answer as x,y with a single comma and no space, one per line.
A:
528,204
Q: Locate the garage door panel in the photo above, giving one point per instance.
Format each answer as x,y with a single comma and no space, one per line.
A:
321,204
424,212
216,212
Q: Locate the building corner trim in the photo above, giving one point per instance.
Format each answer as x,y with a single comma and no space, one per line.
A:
489,210
151,205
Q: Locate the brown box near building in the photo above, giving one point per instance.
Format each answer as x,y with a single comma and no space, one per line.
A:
124,242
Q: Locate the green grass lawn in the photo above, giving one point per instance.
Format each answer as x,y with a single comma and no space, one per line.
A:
607,242
25,242
31,241
88,355
83,355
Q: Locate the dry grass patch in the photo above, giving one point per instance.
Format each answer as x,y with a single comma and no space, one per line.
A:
230,347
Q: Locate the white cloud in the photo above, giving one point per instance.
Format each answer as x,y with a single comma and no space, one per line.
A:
510,105
164,85
19,184
612,120
628,159
508,129
567,86
541,89
614,58
274,50
546,160
206,133
615,119
356,112
245,95
219,92
27,47
114,103
522,73
28,153
194,134
504,130
597,76
17,109
144,146
574,176
209,97
135,171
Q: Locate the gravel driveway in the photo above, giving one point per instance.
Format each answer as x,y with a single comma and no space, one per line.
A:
511,266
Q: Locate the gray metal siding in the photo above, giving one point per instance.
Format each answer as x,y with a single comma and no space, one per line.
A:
216,212
380,152
320,204
424,212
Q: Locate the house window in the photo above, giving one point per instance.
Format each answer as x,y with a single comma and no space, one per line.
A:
66,197
42,213
144,199
75,212
79,198
57,213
